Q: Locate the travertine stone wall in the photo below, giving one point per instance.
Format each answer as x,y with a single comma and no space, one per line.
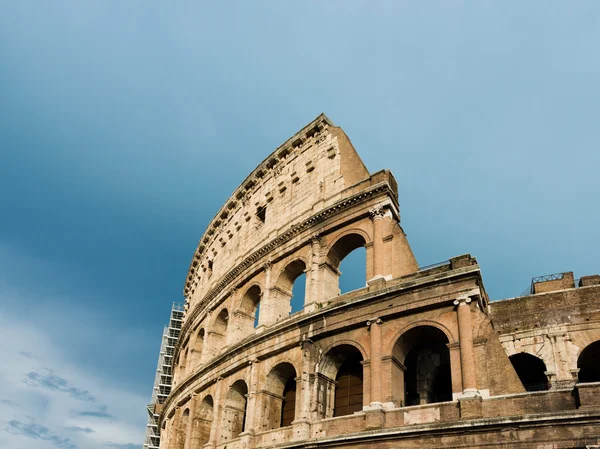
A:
554,326
415,357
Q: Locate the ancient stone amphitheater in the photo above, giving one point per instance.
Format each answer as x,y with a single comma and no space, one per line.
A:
416,358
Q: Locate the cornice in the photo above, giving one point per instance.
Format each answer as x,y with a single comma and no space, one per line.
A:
301,320
316,219
240,194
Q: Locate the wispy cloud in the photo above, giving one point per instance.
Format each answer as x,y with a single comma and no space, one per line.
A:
47,379
80,429
37,432
29,355
123,446
100,413
53,401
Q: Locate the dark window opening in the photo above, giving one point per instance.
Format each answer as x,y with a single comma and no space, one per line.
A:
427,378
531,371
349,389
261,213
288,407
589,363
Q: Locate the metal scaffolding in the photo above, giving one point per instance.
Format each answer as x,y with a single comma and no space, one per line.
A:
164,376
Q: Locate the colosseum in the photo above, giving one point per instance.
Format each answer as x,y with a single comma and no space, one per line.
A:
418,357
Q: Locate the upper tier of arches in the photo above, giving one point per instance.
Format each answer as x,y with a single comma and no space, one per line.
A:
251,262
311,167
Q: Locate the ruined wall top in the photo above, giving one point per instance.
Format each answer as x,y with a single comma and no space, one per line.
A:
306,174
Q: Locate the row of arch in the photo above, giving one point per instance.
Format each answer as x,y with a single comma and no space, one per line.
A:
287,295
532,369
425,377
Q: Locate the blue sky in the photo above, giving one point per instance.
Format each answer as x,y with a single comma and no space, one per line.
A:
125,125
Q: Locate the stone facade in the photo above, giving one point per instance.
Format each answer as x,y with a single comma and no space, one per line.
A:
416,358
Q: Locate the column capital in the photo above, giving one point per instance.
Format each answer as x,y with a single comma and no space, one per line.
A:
374,321
463,300
377,212
305,342
268,265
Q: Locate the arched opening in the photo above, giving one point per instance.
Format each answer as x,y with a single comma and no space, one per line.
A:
278,399
183,356
334,280
234,411
531,371
288,406
341,386
221,322
422,373
196,356
286,297
202,423
298,294
349,390
251,304
589,363
218,338
353,271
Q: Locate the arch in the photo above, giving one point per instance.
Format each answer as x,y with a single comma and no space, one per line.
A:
289,273
196,356
342,342
183,360
202,423
221,322
282,293
447,332
531,371
341,383
250,303
343,246
233,420
366,237
588,363
279,396
336,253
422,374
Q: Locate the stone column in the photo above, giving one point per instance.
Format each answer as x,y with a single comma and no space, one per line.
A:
218,400
190,424
251,403
374,414
301,423
465,337
375,365
377,215
313,282
266,312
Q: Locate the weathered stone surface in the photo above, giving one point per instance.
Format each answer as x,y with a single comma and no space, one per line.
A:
417,358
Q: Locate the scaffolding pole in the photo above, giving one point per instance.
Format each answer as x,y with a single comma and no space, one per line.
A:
164,375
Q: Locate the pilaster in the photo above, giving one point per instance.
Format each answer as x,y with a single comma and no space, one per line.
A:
465,337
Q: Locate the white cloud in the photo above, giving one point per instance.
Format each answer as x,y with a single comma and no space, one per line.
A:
48,402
